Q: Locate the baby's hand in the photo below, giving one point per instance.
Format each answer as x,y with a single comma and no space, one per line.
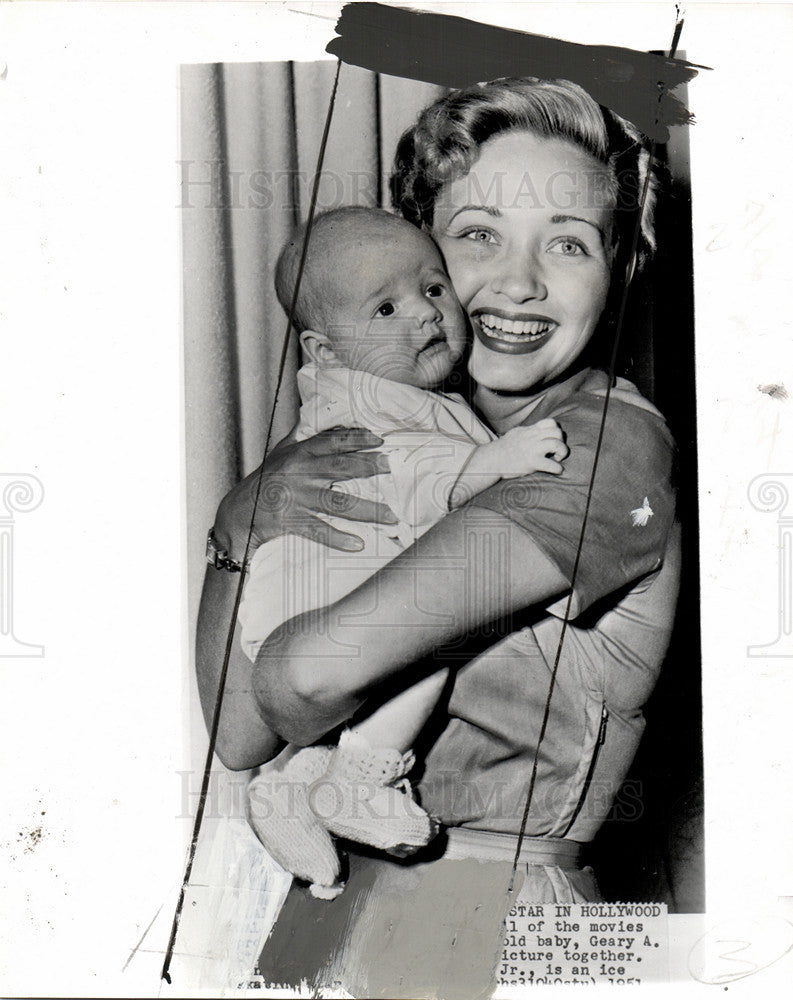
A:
537,448
521,451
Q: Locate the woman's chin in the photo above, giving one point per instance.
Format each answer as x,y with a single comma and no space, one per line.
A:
527,372
507,373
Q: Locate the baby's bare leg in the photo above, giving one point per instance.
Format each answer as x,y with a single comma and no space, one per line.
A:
397,723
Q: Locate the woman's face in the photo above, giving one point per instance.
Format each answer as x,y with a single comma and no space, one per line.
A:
527,238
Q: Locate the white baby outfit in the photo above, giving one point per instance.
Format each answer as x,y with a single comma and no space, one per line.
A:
428,438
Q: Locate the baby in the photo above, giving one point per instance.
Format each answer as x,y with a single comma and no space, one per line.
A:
380,327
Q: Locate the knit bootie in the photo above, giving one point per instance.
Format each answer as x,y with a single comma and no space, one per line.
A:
282,818
364,796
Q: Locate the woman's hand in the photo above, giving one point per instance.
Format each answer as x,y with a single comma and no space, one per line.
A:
296,487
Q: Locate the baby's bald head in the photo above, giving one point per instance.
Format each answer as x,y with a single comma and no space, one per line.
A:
337,238
374,297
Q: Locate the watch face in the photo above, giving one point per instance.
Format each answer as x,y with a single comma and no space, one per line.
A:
213,552
218,557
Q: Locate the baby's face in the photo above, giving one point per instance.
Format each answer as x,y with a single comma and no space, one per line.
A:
394,312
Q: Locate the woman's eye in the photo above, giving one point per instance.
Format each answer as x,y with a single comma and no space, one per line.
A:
479,236
435,291
386,309
569,248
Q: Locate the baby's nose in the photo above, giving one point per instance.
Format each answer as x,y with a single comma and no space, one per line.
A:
428,311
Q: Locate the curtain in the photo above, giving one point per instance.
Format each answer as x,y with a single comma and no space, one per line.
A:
250,137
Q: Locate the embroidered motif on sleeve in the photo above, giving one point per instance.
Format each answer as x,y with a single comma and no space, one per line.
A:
641,515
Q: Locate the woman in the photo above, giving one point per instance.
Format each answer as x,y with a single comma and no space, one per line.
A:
531,191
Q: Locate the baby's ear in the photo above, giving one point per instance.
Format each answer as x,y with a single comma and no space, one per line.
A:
317,348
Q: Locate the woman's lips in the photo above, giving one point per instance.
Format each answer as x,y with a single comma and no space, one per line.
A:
512,334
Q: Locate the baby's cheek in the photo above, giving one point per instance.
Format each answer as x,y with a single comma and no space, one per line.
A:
394,365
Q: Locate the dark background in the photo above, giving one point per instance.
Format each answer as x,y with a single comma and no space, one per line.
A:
651,847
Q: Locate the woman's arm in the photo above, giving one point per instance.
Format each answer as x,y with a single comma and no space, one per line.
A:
244,739
471,568
296,486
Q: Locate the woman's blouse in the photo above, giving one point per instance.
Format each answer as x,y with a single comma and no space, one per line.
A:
478,770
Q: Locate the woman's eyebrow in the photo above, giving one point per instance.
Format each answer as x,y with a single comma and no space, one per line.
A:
577,218
489,209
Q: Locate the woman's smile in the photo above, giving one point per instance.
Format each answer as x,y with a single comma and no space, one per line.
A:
516,333
529,252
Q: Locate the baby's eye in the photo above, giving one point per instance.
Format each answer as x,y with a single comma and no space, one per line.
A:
435,291
569,248
386,309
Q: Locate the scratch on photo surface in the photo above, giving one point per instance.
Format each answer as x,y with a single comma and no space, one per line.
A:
311,13
134,951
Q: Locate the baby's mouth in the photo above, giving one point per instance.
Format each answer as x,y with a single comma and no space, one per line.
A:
513,334
435,340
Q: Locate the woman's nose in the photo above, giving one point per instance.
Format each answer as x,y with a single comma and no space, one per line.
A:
519,278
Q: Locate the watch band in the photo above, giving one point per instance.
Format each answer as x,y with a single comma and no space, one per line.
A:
218,557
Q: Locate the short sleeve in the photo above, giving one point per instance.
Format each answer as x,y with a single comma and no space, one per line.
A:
632,506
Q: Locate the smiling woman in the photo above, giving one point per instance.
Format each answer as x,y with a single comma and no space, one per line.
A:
533,280
548,640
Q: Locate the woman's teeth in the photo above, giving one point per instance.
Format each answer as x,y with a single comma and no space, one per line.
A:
513,331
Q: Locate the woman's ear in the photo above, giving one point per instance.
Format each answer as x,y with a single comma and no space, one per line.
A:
318,348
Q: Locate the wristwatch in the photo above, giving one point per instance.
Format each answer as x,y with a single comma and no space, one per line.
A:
218,557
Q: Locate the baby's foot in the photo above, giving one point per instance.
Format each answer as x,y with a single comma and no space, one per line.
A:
280,814
365,796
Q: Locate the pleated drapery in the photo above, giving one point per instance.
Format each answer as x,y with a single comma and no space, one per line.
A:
250,137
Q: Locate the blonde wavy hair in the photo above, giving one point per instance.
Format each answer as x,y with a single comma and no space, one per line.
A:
445,140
